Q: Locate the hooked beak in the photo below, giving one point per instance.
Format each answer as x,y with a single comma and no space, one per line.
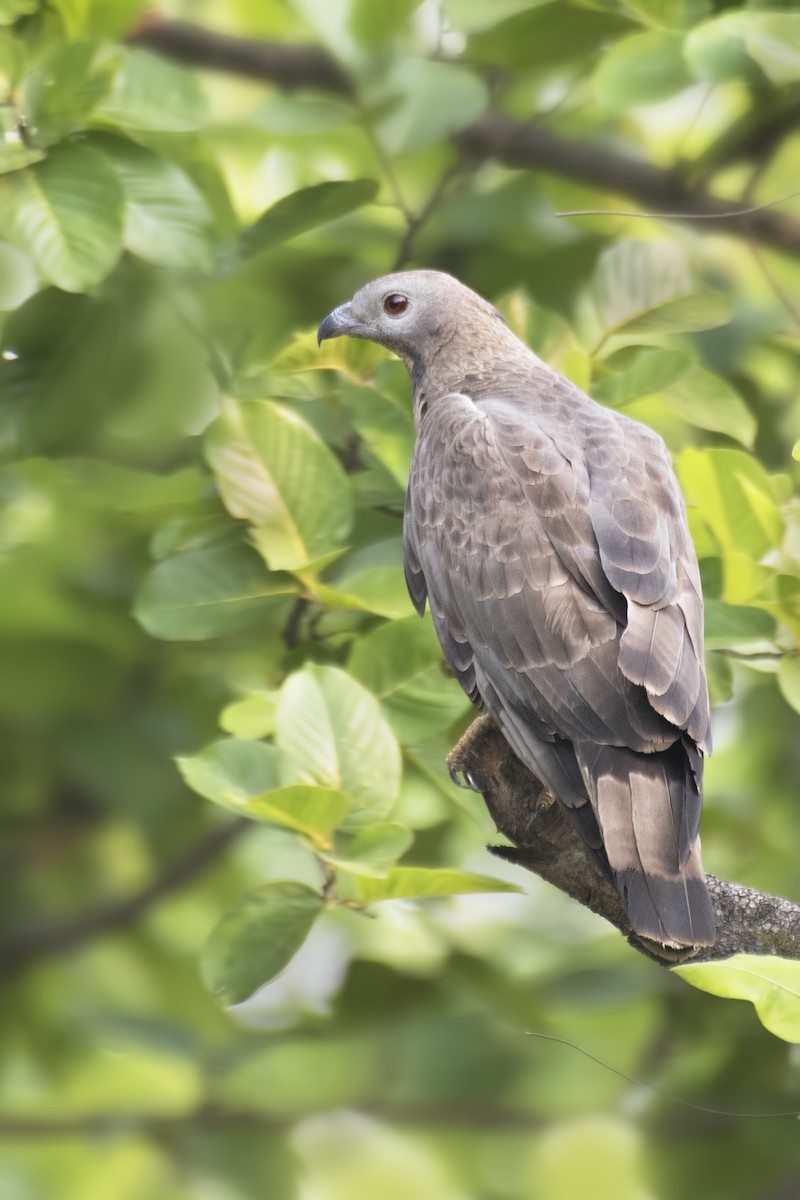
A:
337,323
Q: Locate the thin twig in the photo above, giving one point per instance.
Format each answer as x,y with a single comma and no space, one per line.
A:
678,216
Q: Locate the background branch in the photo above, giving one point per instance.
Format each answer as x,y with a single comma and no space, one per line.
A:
493,136
23,947
547,843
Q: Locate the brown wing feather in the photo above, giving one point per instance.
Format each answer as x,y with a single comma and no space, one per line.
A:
550,540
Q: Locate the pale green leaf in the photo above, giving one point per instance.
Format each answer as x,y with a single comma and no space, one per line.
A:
430,101
640,372
166,218
426,705
738,43
313,811
12,10
373,851
251,717
306,210
647,287
709,402
375,24
731,626
393,654
232,771
150,93
772,985
407,882
715,49
547,35
300,115
641,69
734,495
63,90
597,1156
330,732
209,592
67,213
773,40
789,683
380,590
256,938
273,470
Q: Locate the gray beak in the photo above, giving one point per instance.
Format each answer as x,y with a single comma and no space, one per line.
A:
337,323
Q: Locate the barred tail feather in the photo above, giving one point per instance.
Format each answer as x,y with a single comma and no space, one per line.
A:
647,807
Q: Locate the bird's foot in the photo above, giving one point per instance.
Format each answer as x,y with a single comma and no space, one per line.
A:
463,762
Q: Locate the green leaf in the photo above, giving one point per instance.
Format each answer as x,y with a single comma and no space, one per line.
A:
393,654
640,372
698,396
647,287
433,100
301,116
330,732
737,43
407,882
772,985
773,40
208,593
734,495
251,717
243,776
641,69
62,92
709,402
67,214
304,210
166,218
796,451
374,850
732,626
256,938
17,277
313,811
380,590
273,470
12,10
789,683
231,772
547,36
598,1156
151,94
426,705
375,24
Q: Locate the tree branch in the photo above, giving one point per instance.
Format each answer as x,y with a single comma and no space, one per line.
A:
288,66
100,1124
493,136
25,946
497,136
547,843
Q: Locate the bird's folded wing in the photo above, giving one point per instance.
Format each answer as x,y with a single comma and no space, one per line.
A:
519,529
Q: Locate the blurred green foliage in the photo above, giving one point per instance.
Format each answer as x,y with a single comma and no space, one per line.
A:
202,600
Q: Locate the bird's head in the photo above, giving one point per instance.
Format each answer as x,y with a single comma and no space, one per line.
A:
412,313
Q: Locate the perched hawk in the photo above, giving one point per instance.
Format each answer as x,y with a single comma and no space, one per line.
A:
549,538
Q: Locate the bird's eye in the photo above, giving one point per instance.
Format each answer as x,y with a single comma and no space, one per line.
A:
395,304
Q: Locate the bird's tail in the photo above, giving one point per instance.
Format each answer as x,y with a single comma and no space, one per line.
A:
648,809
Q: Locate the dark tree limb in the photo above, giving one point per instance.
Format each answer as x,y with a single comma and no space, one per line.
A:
288,66
26,945
493,136
547,843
